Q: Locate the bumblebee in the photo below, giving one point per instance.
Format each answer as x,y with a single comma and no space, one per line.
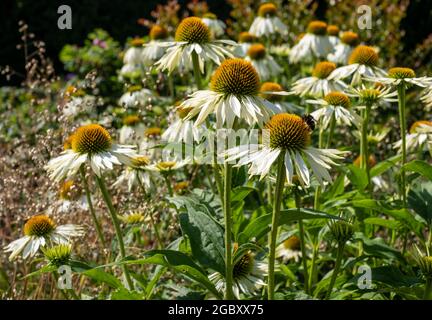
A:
310,121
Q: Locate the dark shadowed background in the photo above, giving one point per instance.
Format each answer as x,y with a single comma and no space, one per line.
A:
119,18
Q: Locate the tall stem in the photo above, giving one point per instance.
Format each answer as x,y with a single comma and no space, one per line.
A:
302,244
318,189
168,184
280,179
364,157
402,120
228,226
428,290
115,221
331,130
197,71
336,269
313,267
92,211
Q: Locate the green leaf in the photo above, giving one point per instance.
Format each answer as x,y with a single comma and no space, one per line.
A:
420,167
378,248
124,294
357,176
383,166
420,200
386,223
45,269
240,193
101,276
259,227
206,239
177,261
391,276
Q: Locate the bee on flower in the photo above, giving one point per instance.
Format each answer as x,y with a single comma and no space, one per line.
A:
288,136
315,44
343,49
193,39
318,85
263,62
267,23
39,231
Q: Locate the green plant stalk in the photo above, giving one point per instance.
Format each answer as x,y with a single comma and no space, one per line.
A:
115,221
340,250
217,174
313,268
402,120
302,244
428,290
280,180
92,211
331,130
318,189
168,184
197,72
364,152
228,227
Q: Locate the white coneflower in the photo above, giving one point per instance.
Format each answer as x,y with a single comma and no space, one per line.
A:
273,92
319,84
132,55
234,93
38,231
374,96
182,130
70,195
245,40
154,49
76,101
333,34
135,97
216,26
137,174
263,62
398,75
267,24
281,50
419,137
289,250
363,63
315,44
132,128
134,218
193,37
168,165
427,98
93,144
290,135
58,255
348,41
248,276
335,104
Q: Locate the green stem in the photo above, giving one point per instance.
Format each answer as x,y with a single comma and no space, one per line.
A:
428,290
313,267
228,226
335,270
92,211
168,184
197,71
402,120
331,130
115,221
318,189
302,243
364,152
280,180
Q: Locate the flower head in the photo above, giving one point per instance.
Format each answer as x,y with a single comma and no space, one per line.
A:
267,23
192,30
58,255
350,38
323,69
267,9
288,132
333,30
364,55
317,28
262,62
289,249
158,32
247,37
